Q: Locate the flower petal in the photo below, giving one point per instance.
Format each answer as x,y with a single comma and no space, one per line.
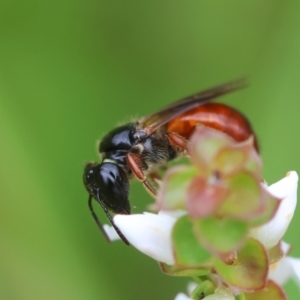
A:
111,233
149,233
272,232
286,267
295,265
281,271
182,296
221,293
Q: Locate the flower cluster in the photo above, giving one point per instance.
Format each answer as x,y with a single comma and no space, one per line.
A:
219,223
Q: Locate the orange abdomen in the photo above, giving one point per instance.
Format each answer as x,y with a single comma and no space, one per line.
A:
217,116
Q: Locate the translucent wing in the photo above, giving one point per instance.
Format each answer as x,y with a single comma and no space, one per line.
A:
154,121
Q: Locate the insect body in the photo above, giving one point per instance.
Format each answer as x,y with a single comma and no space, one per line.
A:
137,149
217,116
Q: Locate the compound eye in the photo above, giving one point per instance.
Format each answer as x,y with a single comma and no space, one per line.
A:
89,173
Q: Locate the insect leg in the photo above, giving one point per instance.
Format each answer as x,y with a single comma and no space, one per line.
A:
177,140
96,219
155,177
134,162
109,218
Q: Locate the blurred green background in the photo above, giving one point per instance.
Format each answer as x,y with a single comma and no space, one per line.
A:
71,70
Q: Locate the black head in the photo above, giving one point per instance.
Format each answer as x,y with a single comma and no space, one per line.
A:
108,184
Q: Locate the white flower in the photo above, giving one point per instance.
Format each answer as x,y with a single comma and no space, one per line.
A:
272,232
149,233
221,293
182,296
111,233
287,267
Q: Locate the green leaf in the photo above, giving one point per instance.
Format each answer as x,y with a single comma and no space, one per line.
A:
244,196
220,293
254,163
187,249
172,194
249,271
204,145
230,161
183,271
239,156
204,197
240,297
275,253
271,292
220,235
204,289
268,208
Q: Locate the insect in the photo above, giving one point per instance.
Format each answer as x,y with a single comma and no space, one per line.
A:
139,148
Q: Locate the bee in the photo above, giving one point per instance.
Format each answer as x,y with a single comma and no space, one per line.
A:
139,148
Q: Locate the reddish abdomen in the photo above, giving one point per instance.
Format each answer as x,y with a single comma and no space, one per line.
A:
215,115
